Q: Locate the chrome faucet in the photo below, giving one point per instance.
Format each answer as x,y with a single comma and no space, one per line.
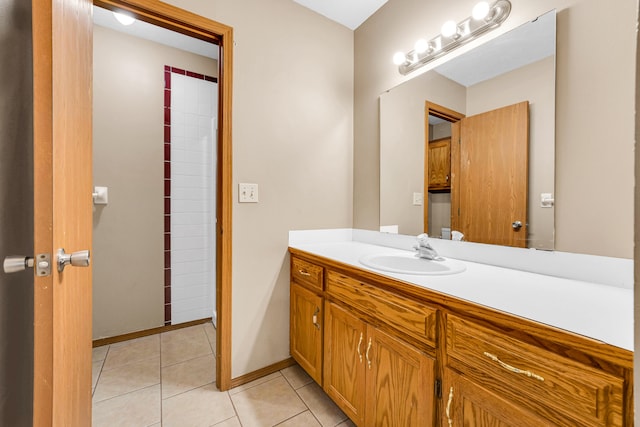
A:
424,248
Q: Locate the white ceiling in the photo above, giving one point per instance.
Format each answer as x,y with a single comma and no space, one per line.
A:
350,13
105,18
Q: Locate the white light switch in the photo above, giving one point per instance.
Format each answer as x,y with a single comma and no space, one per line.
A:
417,199
247,193
546,200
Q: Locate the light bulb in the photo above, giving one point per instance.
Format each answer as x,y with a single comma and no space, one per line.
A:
399,58
449,29
421,46
480,11
124,18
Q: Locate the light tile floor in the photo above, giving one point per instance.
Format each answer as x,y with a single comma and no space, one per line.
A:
169,380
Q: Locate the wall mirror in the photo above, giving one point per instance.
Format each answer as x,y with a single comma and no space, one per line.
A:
438,137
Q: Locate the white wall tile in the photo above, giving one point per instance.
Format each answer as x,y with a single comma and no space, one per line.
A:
192,198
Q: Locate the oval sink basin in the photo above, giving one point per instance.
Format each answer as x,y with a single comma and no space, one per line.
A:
410,264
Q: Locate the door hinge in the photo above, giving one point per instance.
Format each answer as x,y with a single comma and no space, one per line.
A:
438,389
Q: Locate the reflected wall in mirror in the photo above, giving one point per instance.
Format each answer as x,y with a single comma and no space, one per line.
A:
516,67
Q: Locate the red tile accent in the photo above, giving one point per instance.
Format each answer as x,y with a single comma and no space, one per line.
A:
167,68
167,206
167,259
167,171
167,79
167,116
195,75
167,242
167,135
167,313
167,223
211,79
167,98
167,294
178,71
167,154
167,277
167,189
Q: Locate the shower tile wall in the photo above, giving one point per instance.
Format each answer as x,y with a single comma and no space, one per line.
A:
190,123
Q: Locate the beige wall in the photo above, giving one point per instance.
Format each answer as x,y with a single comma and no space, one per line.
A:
593,215
128,245
292,135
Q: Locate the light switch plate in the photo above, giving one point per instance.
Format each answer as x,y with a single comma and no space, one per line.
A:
247,193
417,199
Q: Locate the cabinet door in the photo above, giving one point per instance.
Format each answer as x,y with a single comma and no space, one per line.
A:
400,383
440,163
344,365
306,330
465,403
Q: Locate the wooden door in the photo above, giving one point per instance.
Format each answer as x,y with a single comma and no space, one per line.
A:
400,383
62,44
492,183
306,330
344,362
468,404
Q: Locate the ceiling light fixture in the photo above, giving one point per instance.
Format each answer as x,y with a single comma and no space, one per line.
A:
484,18
124,18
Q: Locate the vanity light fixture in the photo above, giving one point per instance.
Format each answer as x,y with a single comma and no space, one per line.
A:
124,18
484,17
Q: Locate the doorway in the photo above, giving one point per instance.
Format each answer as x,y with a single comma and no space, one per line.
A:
178,20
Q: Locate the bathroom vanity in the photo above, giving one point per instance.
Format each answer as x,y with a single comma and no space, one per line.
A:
482,347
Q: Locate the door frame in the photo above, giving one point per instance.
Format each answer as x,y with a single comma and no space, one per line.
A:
188,23
432,109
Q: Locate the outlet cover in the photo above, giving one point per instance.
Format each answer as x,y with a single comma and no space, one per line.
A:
247,193
417,199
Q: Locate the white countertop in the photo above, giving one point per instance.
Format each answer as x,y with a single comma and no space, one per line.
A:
597,311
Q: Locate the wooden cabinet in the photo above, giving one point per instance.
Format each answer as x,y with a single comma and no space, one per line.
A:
306,316
377,379
381,348
440,164
306,330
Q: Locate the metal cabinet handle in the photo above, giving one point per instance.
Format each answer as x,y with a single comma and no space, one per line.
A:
315,318
448,411
513,368
367,354
359,345
304,273
516,225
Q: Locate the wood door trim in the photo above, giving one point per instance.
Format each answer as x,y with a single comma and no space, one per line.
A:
188,23
42,28
432,109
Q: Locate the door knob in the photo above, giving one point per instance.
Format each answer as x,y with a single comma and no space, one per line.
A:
76,259
15,263
516,225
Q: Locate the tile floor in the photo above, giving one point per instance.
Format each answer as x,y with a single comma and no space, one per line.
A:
168,380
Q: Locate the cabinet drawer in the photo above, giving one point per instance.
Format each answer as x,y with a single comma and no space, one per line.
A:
403,314
306,273
546,382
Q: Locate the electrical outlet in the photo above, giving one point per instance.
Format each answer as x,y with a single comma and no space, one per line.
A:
417,199
247,193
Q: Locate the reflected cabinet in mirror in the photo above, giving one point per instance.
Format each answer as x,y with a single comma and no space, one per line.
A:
469,146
